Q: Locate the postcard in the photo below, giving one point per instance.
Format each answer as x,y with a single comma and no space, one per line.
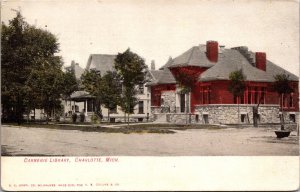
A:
107,95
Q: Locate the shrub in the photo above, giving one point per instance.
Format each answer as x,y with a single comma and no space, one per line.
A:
82,117
94,119
74,117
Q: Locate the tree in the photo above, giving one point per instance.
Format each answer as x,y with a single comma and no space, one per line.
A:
47,83
237,86
282,87
25,50
132,70
112,89
91,81
128,100
70,83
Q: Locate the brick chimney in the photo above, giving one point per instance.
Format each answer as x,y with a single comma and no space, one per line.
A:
212,50
260,60
152,65
73,63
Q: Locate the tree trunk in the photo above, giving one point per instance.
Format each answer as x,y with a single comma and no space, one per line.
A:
238,101
18,110
128,118
47,116
282,116
186,107
255,111
28,114
108,115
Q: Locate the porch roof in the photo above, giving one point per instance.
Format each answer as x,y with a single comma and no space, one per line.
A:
80,96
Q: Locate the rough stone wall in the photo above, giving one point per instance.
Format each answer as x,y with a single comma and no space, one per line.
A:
181,118
155,110
287,118
228,114
169,100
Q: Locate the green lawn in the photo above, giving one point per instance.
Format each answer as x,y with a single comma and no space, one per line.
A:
126,129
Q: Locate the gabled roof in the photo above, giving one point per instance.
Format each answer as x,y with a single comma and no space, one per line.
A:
101,62
195,56
163,75
152,77
166,77
155,73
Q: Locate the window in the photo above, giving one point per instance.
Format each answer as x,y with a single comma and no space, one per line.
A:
243,118
263,95
141,89
114,110
249,95
285,103
141,107
292,118
242,99
140,119
291,100
205,118
205,94
182,103
235,99
254,95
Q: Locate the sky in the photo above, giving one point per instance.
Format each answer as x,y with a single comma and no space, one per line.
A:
159,29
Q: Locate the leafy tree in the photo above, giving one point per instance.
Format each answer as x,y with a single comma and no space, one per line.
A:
91,82
25,50
70,83
111,89
128,100
132,70
46,83
282,87
237,86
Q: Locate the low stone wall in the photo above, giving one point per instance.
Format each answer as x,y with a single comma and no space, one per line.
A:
181,118
155,109
228,114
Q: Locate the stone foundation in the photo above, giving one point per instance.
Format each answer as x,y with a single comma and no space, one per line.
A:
181,118
228,114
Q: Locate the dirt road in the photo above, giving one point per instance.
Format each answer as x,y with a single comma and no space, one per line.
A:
192,142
